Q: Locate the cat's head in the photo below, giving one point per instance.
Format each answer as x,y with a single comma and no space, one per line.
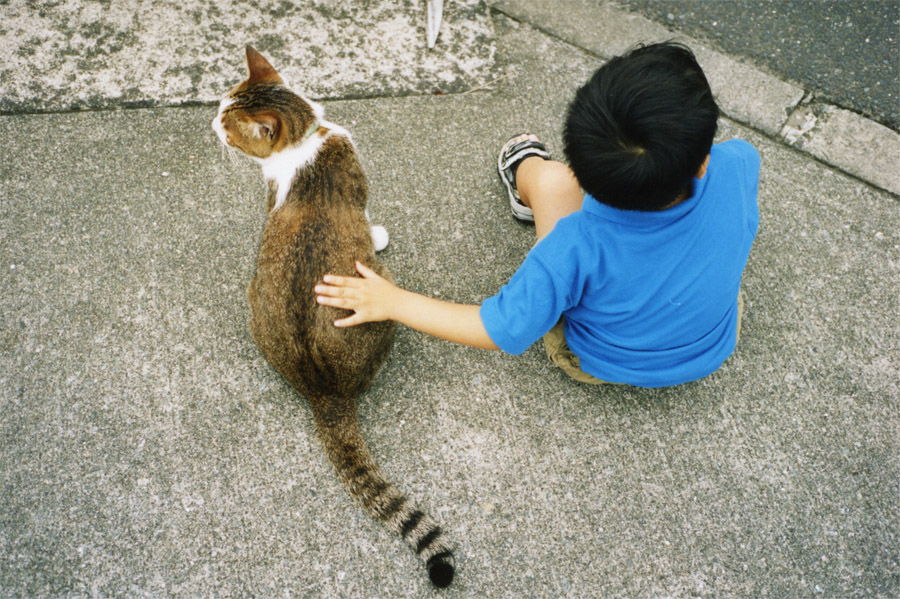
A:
262,116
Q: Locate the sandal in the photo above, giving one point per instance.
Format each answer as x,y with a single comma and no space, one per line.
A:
511,154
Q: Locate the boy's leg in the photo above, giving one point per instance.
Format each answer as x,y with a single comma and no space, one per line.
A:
549,188
559,353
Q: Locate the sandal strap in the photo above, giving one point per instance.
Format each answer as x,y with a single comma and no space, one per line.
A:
521,150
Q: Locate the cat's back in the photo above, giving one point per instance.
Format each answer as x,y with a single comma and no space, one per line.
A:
320,228
300,244
321,225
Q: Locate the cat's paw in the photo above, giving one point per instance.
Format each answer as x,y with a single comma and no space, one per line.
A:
380,237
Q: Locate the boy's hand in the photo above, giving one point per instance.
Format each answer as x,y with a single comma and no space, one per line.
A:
370,297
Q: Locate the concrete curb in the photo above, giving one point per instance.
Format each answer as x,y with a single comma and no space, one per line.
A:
779,109
855,144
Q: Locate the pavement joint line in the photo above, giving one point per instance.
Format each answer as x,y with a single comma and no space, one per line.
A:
823,145
152,104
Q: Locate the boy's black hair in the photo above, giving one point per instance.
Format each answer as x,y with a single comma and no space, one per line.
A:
638,131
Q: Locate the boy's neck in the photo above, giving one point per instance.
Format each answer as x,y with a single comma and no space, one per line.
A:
686,193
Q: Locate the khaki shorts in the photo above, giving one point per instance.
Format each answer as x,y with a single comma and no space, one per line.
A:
559,353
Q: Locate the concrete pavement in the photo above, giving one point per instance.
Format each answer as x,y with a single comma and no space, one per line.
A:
149,451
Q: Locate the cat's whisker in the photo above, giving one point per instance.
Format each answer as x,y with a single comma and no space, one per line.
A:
230,154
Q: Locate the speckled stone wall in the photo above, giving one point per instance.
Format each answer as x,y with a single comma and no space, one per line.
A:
61,55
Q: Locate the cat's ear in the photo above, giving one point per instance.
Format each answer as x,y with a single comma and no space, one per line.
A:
266,125
260,70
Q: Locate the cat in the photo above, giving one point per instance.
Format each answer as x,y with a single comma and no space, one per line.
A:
316,224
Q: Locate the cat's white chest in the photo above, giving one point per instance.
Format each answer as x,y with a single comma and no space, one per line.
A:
282,167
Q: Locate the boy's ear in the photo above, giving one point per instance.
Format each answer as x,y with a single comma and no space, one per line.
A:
702,171
260,71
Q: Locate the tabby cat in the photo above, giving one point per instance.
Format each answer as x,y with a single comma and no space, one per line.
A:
316,224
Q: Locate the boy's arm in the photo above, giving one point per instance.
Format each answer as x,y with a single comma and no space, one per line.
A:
374,298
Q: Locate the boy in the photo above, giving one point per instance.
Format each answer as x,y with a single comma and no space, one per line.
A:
636,278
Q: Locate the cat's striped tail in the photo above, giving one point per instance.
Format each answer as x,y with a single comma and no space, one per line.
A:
381,499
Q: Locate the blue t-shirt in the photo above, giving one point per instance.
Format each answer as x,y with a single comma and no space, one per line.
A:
649,298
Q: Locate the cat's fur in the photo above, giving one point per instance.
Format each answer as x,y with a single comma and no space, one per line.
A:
316,224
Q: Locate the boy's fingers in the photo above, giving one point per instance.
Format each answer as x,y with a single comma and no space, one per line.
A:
349,321
334,280
342,281
336,302
331,291
365,270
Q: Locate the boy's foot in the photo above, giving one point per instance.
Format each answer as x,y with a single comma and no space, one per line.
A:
511,156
